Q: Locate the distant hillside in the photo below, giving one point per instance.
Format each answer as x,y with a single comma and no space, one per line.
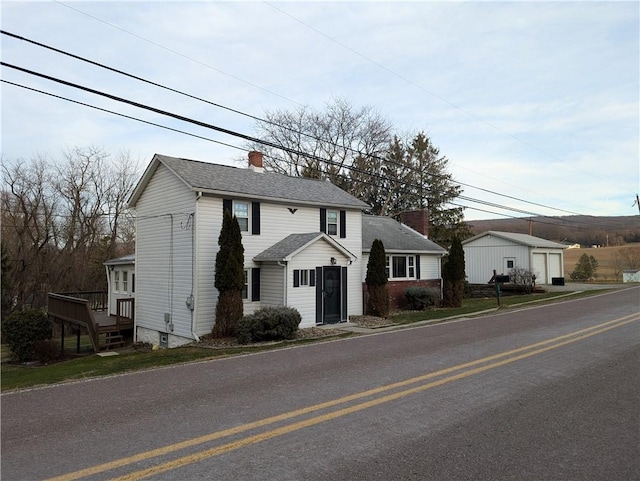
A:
580,229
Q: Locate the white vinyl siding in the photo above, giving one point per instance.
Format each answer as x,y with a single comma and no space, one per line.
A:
430,266
278,222
272,286
490,252
208,222
163,254
303,298
119,271
486,254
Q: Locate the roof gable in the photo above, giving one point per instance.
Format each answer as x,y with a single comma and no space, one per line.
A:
522,239
395,236
226,180
291,245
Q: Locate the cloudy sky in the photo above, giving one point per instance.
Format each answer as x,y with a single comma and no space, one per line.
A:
534,100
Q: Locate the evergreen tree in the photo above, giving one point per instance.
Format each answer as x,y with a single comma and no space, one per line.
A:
229,277
376,280
453,275
585,268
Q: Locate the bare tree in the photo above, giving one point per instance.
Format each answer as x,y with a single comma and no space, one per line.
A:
626,258
338,135
62,219
357,150
29,228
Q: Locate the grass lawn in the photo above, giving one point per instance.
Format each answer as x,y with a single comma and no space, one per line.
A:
471,306
83,367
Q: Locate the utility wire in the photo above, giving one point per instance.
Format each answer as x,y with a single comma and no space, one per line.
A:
348,148
123,115
214,127
563,223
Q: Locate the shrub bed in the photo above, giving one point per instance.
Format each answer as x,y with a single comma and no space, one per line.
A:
268,324
419,298
23,331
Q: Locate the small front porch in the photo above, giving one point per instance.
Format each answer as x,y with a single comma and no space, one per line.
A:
87,312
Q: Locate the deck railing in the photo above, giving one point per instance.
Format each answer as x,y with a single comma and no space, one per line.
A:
74,310
98,300
89,310
124,312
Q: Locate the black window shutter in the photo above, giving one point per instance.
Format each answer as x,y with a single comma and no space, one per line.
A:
296,278
312,277
417,267
255,218
323,220
255,283
343,224
319,296
344,293
227,205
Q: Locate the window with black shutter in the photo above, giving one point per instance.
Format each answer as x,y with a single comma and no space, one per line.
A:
255,284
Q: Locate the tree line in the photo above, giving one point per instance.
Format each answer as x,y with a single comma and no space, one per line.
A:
360,151
61,219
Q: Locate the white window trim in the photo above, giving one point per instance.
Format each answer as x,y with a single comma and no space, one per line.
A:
233,209
408,267
247,283
337,222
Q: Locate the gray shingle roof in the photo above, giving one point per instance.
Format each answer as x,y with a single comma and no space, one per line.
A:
523,239
286,247
395,236
128,259
224,179
291,244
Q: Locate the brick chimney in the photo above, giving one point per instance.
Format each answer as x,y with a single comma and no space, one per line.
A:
255,161
418,220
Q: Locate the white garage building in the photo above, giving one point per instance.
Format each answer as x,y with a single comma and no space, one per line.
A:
503,251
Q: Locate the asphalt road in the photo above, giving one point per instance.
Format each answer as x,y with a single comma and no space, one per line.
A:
547,393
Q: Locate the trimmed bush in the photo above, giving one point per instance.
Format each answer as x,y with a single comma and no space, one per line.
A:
268,324
22,330
376,280
420,298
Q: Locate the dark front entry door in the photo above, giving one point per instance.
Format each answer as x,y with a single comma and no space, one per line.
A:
331,294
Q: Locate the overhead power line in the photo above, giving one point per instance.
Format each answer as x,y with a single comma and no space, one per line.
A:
348,148
217,128
84,104
345,177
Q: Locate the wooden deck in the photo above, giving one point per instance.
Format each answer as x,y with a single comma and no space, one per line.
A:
106,331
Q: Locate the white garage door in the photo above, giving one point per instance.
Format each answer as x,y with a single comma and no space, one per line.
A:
540,268
555,265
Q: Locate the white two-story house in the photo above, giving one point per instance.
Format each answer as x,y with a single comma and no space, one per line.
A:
302,243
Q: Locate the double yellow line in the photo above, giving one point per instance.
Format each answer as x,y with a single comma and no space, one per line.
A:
445,376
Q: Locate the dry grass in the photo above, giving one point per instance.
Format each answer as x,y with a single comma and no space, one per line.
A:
606,257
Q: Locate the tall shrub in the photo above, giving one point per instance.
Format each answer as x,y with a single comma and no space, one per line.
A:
453,275
22,330
229,277
585,268
376,280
